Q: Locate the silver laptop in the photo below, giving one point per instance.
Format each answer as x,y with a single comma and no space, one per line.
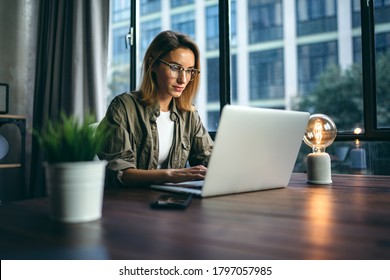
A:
254,149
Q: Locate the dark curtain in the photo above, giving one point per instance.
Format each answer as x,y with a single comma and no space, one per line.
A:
71,67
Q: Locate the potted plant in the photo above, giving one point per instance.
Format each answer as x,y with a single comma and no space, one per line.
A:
74,179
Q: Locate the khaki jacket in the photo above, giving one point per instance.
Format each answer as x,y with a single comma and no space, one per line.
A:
133,140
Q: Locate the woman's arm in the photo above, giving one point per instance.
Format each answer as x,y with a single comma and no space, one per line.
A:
202,144
140,177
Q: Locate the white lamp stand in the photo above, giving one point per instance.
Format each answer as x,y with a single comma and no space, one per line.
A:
318,169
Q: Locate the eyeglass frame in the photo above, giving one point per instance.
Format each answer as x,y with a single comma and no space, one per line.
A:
181,69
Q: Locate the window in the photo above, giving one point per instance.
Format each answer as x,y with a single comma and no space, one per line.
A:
212,28
281,54
265,20
120,10
356,16
382,55
316,16
150,6
382,43
149,29
357,50
213,119
234,79
383,79
212,77
178,3
185,23
266,75
233,26
382,12
120,54
382,46
118,80
313,60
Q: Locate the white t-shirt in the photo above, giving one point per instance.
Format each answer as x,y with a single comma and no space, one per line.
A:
165,128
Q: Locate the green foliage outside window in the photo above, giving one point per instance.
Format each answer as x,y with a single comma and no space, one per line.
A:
339,94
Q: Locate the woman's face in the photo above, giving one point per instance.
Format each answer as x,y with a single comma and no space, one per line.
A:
169,86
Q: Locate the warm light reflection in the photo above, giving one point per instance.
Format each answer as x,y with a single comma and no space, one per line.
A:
357,142
320,216
357,130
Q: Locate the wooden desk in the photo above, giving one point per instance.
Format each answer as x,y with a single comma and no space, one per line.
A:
348,220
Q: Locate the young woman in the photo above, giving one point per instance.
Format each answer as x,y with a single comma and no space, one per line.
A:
155,132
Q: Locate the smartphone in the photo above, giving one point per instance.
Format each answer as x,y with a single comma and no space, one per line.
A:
172,201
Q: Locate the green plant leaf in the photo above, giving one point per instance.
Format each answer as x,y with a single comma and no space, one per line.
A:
69,140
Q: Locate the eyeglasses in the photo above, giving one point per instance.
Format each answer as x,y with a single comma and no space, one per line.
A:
177,70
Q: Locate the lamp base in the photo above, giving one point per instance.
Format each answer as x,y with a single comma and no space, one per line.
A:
318,169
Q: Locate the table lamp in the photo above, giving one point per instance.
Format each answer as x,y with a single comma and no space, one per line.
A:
320,133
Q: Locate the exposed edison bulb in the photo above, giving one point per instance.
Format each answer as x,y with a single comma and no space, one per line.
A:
320,132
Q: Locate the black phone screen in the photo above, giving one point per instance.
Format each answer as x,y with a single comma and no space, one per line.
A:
177,201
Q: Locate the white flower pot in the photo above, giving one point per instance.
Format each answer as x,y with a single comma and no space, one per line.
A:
75,190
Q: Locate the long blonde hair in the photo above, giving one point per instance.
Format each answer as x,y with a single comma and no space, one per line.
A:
161,45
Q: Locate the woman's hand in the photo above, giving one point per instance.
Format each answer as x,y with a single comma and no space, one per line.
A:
187,174
138,177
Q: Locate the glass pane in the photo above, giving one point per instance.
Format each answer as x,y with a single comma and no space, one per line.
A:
178,3
198,19
268,65
382,56
184,22
265,21
290,60
183,16
211,77
282,60
382,46
329,80
149,6
119,56
315,17
309,59
257,53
